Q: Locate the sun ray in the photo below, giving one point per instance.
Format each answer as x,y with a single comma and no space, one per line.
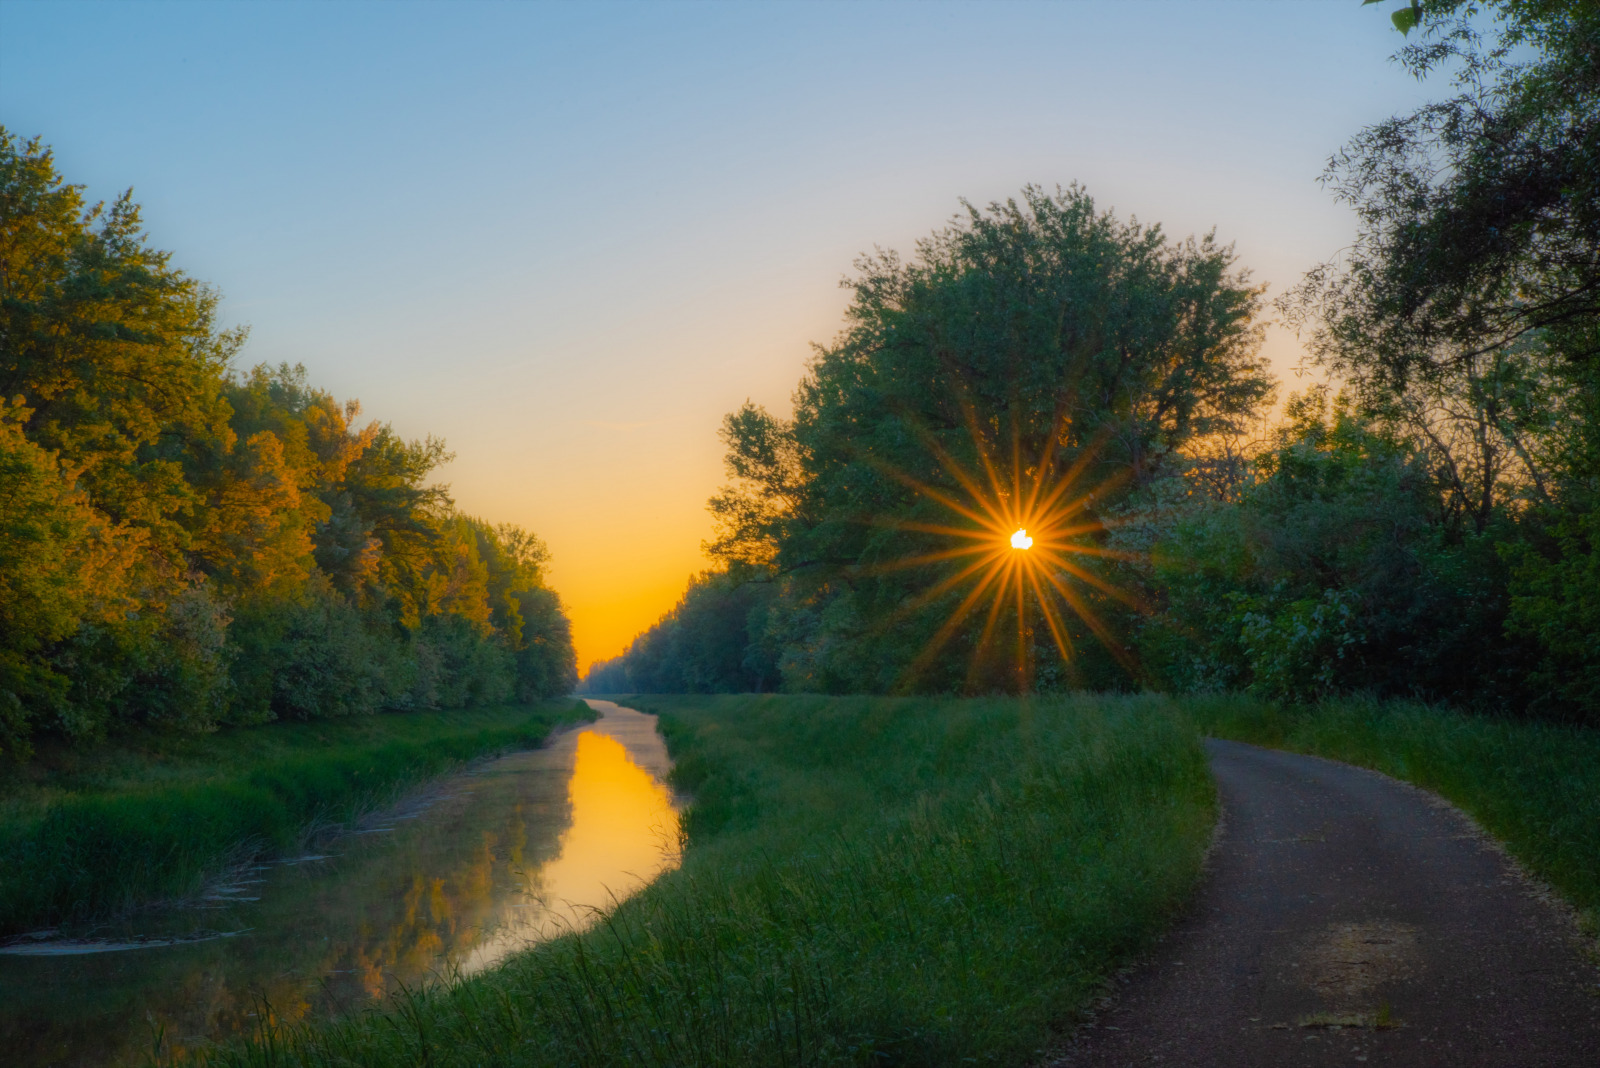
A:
1091,550
970,413
1074,473
1057,630
922,560
954,467
1085,575
927,491
1023,681
947,630
935,592
1067,532
984,640
1047,462
1022,541
1016,461
934,528
1101,631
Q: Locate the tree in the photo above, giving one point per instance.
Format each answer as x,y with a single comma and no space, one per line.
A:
1466,315
712,641
1480,214
114,351
1331,570
1038,343
182,545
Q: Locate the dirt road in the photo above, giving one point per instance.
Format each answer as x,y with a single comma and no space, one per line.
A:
1352,919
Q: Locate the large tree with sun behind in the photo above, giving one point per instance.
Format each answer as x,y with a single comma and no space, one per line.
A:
1028,366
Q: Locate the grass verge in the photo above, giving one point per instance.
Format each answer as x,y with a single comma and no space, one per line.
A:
89,833
1535,786
869,881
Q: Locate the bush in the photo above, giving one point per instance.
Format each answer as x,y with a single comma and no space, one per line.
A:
312,657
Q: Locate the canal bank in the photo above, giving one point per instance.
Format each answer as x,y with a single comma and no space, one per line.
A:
87,833
444,885
868,881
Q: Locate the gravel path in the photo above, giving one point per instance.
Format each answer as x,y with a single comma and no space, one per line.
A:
1349,918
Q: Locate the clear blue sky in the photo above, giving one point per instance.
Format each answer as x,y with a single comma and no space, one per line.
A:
569,237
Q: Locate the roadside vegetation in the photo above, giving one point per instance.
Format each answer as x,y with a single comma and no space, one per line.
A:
84,833
869,881
1535,786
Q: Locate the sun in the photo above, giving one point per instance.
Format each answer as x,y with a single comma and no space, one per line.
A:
1008,571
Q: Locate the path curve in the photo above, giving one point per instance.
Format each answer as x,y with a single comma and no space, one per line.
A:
1338,896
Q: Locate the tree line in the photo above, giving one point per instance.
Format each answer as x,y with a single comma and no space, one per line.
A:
1422,522
185,545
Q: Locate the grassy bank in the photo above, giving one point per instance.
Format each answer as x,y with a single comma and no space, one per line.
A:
1535,786
869,881
84,833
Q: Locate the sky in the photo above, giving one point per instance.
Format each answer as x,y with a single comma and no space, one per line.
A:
568,238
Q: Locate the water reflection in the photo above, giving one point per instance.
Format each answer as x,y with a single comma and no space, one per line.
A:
523,848
623,826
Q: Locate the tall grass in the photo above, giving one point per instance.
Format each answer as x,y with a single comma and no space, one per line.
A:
869,881
135,825
1535,786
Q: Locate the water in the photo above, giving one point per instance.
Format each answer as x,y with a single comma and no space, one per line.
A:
479,866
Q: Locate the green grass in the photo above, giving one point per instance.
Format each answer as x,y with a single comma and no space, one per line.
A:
1535,786
87,833
869,881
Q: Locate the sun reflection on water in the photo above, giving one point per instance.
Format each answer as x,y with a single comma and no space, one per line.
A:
624,832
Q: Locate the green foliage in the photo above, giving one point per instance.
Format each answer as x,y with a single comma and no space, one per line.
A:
867,882
1555,602
185,546
135,822
51,551
1041,335
1329,571
312,657
1464,320
713,641
1480,212
455,669
546,663
113,351
1430,532
1405,19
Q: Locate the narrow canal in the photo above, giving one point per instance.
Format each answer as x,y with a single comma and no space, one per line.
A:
478,866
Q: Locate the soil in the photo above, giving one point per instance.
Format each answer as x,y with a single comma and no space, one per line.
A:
1348,918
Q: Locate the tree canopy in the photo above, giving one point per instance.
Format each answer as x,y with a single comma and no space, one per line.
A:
184,544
